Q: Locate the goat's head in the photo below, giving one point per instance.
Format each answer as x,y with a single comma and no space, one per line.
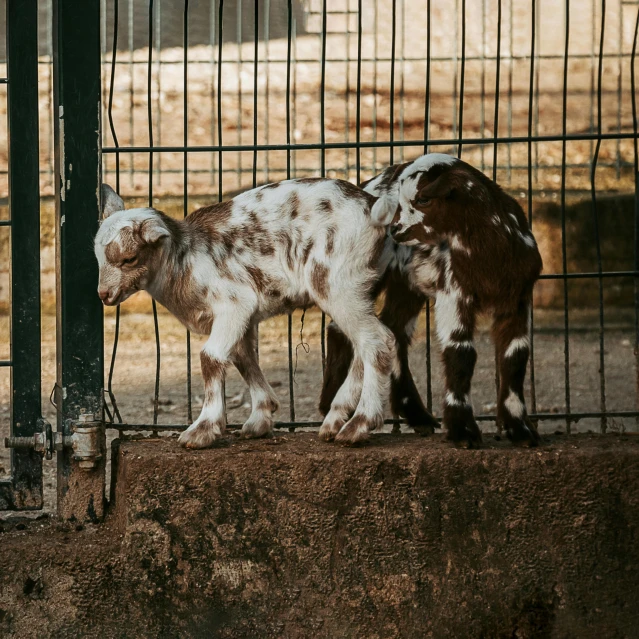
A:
128,248
429,200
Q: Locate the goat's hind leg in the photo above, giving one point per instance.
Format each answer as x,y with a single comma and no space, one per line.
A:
455,320
339,355
264,401
510,332
402,306
374,346
344,402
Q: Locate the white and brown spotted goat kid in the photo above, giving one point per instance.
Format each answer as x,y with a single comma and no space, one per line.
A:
226,267
467,244
483,258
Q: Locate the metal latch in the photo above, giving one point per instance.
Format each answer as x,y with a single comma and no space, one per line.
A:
84,440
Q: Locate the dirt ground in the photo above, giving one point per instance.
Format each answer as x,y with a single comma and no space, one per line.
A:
134,376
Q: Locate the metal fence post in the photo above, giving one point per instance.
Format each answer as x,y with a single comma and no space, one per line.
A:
25,489
76,69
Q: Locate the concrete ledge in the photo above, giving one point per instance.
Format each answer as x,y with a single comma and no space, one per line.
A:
292,537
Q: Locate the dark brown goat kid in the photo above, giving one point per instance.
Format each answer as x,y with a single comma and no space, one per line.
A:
458,238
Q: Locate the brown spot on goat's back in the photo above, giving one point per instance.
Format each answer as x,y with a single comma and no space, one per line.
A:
310,180
319,279
351,191
330,240
210,217
293,205
307,250
272,185
325,206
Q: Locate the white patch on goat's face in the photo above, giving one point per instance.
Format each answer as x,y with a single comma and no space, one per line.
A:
427,162
407,188
117,250
409,216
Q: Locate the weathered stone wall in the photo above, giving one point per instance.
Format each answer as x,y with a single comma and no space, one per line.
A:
292,537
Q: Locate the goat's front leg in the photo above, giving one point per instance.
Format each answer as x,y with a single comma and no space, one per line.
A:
263,398
228,329
510,332
455,320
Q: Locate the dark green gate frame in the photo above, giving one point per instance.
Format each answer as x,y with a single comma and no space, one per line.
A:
23,491
77,104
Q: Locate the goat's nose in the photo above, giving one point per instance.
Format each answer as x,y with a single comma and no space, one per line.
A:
103,294
395,228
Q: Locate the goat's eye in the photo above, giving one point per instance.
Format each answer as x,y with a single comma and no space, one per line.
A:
129,261
423,200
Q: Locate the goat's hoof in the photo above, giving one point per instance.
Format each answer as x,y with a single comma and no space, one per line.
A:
201,434
466,435
331,425
425,429
418,418
357,430
257,426
522,433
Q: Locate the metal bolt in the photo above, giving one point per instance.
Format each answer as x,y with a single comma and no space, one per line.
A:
19,442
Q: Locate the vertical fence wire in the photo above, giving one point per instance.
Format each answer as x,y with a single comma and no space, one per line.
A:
323,159
462,78
531,86
636,207
149,96
391,117
185,168
116,336
289,46
595,219
495,156
564,251
429,371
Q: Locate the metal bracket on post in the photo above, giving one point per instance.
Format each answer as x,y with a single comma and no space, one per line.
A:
85,438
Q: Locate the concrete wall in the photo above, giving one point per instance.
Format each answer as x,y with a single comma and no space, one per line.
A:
292,537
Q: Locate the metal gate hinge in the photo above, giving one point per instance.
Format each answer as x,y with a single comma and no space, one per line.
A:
84,440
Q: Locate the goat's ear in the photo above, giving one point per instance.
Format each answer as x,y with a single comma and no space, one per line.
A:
111,201
152,230
383,211
442,188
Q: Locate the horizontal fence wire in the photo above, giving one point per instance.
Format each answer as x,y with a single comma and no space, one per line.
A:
256,152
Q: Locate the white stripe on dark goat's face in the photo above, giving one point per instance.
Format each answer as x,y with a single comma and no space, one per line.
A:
407,192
